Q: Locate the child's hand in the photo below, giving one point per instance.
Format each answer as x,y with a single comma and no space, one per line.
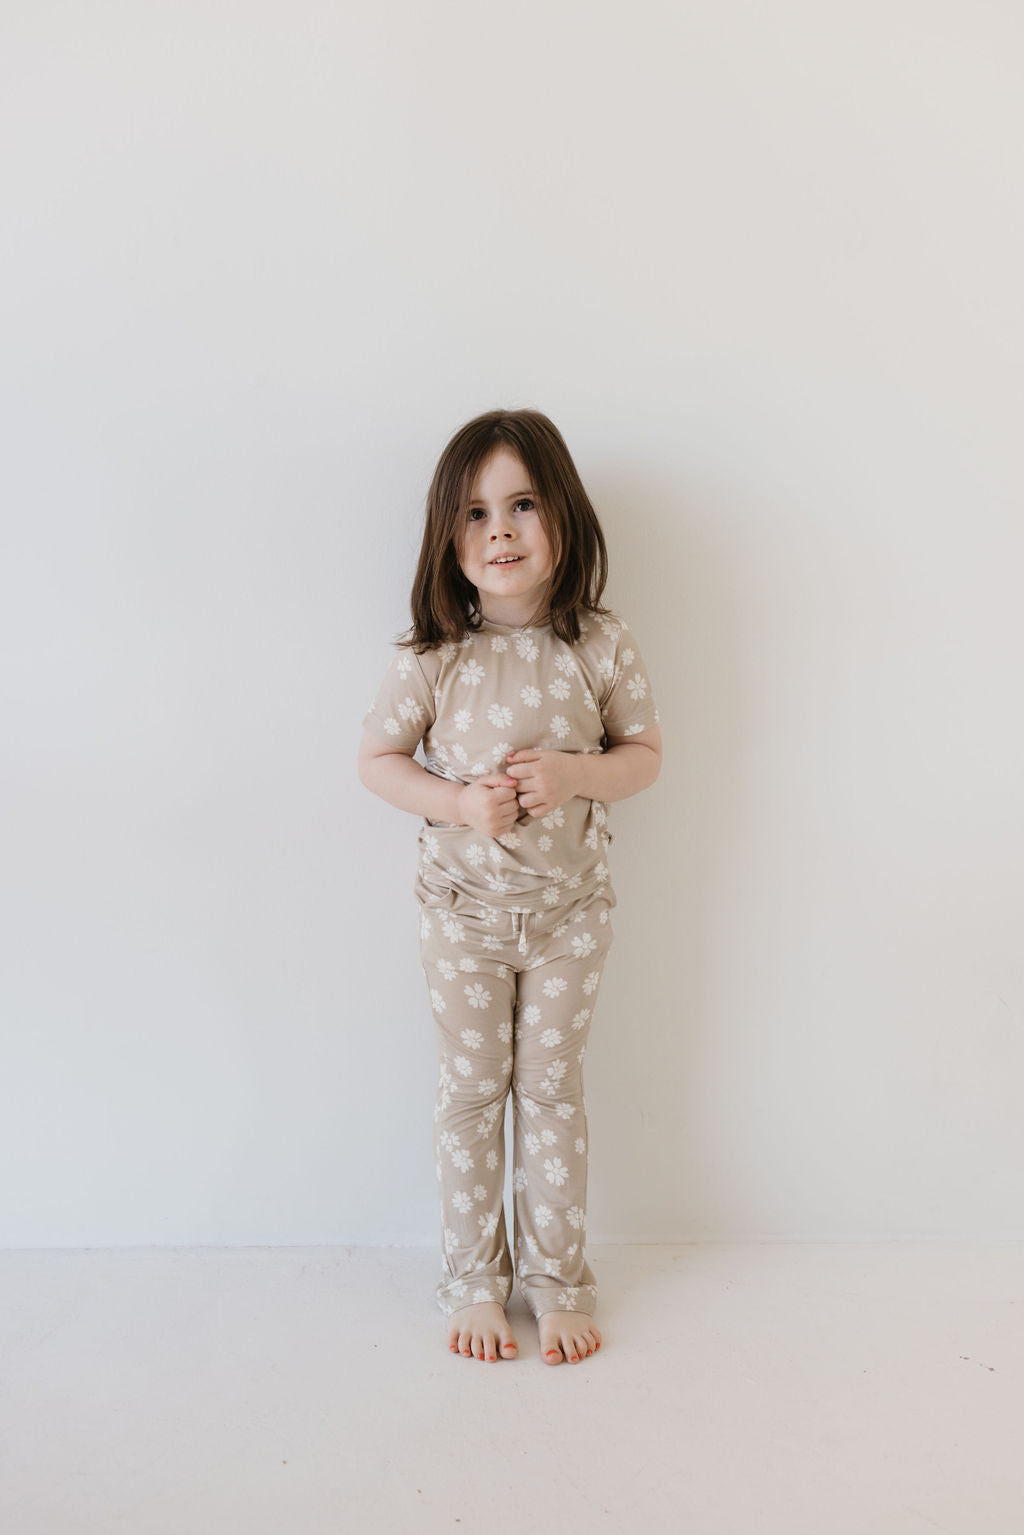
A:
545,779
489,804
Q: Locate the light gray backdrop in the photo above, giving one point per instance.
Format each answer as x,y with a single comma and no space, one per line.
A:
762,266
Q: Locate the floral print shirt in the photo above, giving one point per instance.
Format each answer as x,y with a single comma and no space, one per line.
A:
502,689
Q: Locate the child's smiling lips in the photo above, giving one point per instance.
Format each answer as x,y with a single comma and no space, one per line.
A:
506,559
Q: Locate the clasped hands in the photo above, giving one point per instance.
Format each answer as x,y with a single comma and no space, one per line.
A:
535,781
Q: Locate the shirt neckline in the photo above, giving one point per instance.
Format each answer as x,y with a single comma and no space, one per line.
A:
495,628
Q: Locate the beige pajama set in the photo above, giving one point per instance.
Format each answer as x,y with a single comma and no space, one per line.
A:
514,932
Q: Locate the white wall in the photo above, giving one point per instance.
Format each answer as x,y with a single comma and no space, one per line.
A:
762,266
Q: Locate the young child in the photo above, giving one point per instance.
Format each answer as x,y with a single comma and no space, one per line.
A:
534,709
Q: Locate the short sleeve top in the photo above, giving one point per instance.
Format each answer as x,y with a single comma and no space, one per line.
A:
499,690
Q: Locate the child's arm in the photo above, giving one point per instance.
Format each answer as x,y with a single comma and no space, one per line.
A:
547,779
489,805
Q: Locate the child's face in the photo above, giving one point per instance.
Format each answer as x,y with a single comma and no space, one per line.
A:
502,520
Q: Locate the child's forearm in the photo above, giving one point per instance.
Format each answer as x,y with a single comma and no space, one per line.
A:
617,773
406,784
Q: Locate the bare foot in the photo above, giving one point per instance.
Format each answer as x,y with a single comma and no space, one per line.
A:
567,1335
481,1331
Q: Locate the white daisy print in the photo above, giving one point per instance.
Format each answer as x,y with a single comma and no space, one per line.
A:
628,657
472,1039
549,1137
462,1202
583,945
488,1224
555,1072
499,643
555,819
575,1216
550,1037
411,710
555,986
475,854
525,646
530,1014
637,687
532,698
510,840
479,1193
553,1266
559,726
487,1086
559,688
467,963
592,982
581,1145
463,720
567,1298
581,1019
391,725
500,715
437,1002
472,673
462,1160
491,1159
543,1216
545,844
519,1180
403,666
531,1142
446,969
462,1066
477,996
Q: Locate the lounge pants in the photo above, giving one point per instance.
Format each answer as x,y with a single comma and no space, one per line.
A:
513,993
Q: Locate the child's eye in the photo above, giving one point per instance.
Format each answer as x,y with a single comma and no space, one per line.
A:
525,502
473,511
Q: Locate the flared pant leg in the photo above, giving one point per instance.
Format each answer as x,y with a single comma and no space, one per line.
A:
512,997
557,995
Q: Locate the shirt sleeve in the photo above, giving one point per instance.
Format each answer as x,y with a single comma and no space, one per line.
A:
403,710
627,702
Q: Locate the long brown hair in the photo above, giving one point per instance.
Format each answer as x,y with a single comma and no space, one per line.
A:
445,605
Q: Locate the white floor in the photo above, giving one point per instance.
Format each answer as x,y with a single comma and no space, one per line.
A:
838,1389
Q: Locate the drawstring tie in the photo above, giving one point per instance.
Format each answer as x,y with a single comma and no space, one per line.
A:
520,917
